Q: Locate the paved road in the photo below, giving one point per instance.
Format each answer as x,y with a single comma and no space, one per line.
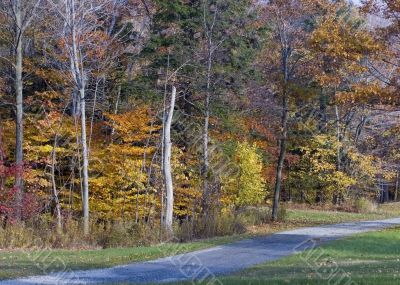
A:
211,262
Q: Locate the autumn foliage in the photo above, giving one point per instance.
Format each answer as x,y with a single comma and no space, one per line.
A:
300,95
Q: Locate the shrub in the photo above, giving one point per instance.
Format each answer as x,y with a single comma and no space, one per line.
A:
42,233
212,225
364,205
255,216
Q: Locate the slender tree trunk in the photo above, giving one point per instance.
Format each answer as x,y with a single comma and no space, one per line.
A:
284,132
336,195
396,192
2,180
167,166
206,139
339,140
19,156
54,187
79,75
323,120
386,189
85,163
96,91
281,158
164,120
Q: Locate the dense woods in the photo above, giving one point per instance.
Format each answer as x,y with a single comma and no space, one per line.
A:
156,117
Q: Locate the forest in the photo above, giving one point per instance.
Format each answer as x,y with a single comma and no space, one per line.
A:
130,121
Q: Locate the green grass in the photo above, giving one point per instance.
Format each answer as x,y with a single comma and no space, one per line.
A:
316,217
372,258
25,263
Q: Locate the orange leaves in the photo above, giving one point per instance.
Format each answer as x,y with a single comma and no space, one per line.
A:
365,92
341,43
96,47
132,126
337,38
51,76
118,166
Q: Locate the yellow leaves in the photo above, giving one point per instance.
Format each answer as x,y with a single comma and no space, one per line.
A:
35,178
127,150
338,182
248,186
318,168
118,173
187,181
39,139
365,167
44,149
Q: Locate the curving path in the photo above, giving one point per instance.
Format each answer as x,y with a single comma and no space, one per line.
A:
211,262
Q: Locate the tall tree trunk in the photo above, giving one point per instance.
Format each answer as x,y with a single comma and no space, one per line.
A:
396,191
79,76
206,139
281,158
2,180
339,139
19,109
323,120
285,53
54,187
167,165
336,195
85,163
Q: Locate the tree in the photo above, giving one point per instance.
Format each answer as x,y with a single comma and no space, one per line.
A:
342,43
286,53
84,45
167,164
18,16
226,29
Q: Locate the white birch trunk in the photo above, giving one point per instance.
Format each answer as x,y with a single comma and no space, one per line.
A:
167,166
79,76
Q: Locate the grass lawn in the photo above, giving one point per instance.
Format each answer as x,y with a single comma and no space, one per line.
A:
364,259
296,218
372,258
25,263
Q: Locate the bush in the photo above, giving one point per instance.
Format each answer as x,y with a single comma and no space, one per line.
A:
364,205
42,233
128,235
282,213
212,225
255,216
16,236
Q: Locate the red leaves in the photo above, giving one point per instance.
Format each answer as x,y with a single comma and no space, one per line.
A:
8,196
7,201
8,192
